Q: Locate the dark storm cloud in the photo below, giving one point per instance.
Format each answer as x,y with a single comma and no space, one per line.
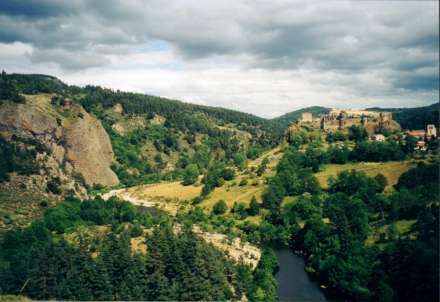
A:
34,9
395,38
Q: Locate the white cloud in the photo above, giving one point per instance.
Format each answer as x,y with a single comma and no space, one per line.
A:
261,57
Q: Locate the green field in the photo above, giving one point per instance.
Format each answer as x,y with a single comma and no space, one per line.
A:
402,228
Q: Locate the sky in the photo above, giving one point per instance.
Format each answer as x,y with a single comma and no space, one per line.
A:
260,57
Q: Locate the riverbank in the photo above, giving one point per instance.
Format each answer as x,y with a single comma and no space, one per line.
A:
293,282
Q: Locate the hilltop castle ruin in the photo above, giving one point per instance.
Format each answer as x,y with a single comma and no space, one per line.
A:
339,119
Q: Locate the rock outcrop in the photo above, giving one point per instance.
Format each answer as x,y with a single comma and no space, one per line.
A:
77,140
89,150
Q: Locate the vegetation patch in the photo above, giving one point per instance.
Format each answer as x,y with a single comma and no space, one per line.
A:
391,170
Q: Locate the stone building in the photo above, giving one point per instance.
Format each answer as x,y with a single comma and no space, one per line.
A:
306,117
431,131
378,138
340,119
424,135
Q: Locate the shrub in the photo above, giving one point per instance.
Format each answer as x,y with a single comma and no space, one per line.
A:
136,230
220,208
44,204
53,185
254,207
190,175
239,209
382,182
243,182
197,200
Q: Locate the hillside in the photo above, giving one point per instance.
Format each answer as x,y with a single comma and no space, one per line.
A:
414,118
142,167
136,103
286,119
155,138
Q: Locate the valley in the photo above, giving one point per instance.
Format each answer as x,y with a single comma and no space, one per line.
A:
168,192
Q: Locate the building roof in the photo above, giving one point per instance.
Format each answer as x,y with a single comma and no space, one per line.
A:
416,133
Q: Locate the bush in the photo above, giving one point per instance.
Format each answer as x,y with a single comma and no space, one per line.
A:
254,207
190,175
136,230
220,208
243,182
44,204
263,166
228,174
239,209
357,133
53,185
197,200
382,182
254,152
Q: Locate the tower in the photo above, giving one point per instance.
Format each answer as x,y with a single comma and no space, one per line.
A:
431,131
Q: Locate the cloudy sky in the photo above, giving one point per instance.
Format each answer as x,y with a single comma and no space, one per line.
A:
262,57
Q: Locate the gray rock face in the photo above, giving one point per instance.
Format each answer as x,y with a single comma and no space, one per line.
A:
76,139
89,150
25,120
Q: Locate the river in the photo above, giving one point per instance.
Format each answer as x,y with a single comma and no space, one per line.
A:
293,282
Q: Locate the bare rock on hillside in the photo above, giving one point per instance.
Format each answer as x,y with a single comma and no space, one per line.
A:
118,108
89,150
25,120
76,139
128,125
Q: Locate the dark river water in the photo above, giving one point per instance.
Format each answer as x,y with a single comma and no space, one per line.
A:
293,282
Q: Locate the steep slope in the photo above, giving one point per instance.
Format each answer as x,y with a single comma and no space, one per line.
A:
76,140
157,138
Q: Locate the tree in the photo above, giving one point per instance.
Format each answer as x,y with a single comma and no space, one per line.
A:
239,209
382,182
190,175
228,174
240,161
254,207
220,207
8,91
357,133
254,152
262,167
274,194
338,155
410,144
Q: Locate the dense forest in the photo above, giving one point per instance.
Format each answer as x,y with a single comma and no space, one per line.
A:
42,263
334,228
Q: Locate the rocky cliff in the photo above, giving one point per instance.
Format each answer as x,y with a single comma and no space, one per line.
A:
76,139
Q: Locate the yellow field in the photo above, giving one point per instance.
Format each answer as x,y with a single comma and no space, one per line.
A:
175,192
171,195
236,193
166,190
391,170
232,194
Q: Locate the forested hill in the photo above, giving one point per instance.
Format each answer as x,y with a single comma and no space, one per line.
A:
414,118
152,138
181,113
285,120
177,112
